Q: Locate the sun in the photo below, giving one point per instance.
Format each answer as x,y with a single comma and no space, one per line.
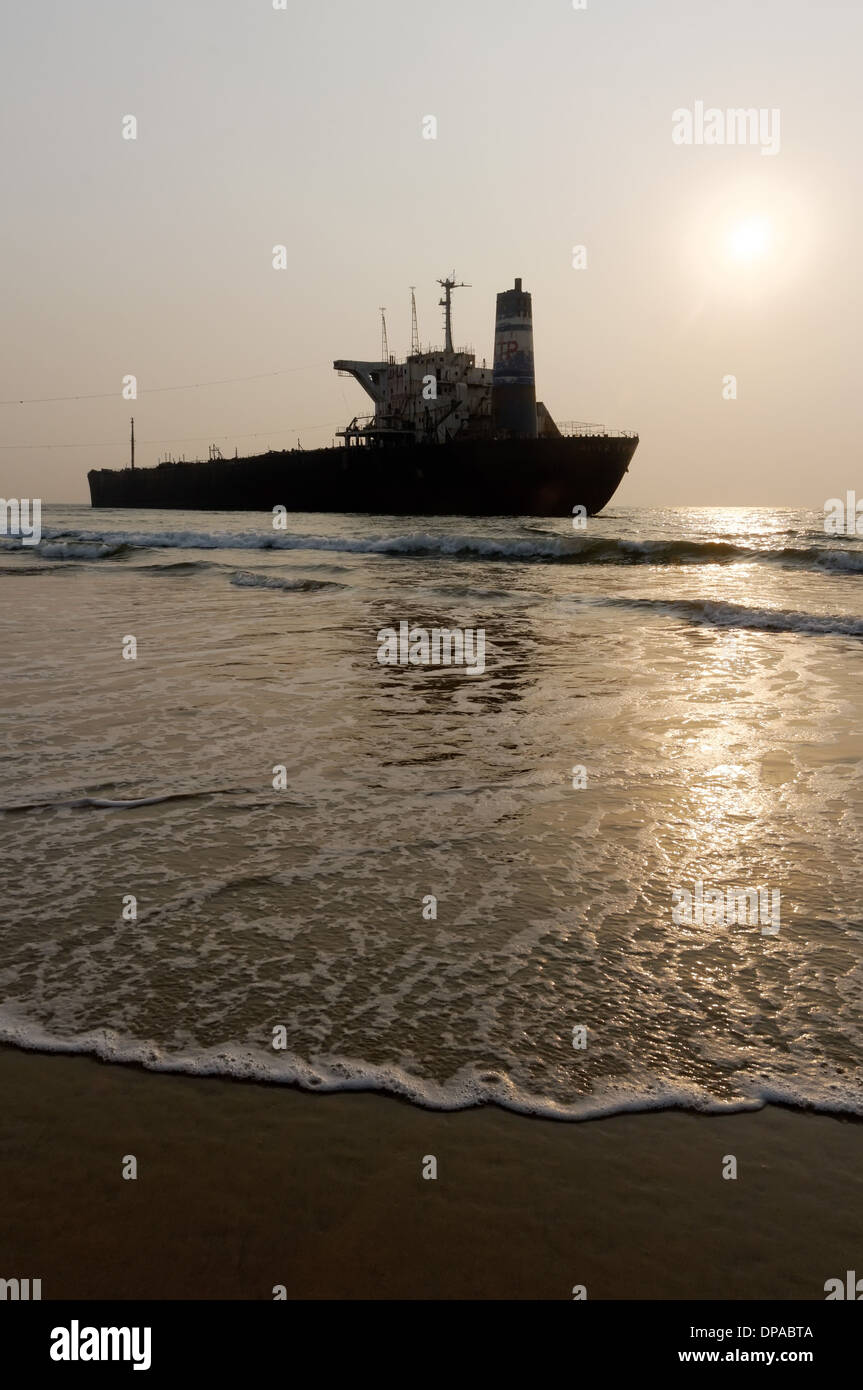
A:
750,239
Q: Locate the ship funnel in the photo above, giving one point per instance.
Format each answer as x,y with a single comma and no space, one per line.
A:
513,392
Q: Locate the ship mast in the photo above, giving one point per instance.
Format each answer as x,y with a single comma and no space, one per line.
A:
385,352
446,304
132,442
415,333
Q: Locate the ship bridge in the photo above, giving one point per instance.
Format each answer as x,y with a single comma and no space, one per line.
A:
371,376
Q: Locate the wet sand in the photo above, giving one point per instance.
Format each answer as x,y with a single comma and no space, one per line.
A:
242,1187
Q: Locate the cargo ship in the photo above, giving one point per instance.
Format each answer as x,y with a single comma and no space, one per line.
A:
445,438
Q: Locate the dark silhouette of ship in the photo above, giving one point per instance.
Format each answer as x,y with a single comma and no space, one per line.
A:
446,438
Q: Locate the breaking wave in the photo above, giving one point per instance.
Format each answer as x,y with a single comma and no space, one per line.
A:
244,579
532,546
108,803
848,561
708,613
82,549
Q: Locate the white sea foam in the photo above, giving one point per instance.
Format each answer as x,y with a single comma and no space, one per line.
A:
469,1088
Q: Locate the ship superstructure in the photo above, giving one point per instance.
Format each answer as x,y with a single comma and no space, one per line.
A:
428,399
435,396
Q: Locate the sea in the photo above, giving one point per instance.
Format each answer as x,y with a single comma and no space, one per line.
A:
236,842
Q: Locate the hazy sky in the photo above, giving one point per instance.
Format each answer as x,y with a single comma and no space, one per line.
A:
304,127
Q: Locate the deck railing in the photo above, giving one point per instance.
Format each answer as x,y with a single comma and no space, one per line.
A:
572,427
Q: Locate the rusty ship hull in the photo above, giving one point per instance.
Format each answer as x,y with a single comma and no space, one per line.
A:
493,477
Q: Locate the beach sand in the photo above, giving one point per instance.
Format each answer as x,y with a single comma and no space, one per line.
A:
242,1187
